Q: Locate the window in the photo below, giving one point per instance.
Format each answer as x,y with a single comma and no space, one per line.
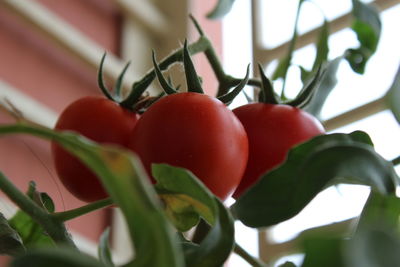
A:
271,30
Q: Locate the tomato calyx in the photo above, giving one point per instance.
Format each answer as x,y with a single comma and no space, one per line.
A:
137,100
192,79
267,94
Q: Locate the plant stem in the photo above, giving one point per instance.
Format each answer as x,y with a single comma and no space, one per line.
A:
74,213
201,231
203,44
54,228
247,257
396,161
291,48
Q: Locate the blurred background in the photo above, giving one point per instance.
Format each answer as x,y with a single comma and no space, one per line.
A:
50,52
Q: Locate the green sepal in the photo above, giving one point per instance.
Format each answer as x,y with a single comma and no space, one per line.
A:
267,94
42,199
192,79
229,97
306,94
118,83
137,90
100,79
196,25
168,89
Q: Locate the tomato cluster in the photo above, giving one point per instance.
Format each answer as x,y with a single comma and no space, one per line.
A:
227,150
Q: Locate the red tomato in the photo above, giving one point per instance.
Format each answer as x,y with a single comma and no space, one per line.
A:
100,120
272,131
196,132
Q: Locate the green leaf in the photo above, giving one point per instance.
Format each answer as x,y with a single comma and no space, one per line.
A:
104,249
185,198
376,241
283,66
221,9
324,251
374,245
59,257
10,241
287,264
327,84
322,52
32,233
381,210
128,185
309,168
47,202
322,46
392,97
367,26
217,245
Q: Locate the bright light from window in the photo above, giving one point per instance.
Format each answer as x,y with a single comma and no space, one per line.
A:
344,201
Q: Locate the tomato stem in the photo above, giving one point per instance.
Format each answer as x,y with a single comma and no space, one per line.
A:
396,161
54,228
74,213
291,48
247,257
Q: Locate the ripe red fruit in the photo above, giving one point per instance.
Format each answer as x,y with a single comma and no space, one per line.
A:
100,120
272,130
196,132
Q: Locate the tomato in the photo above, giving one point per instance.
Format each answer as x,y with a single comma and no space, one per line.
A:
196,132
272,129
100,120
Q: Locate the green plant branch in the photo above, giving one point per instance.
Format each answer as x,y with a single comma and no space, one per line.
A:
247,257
292,45
74,213
396,161
54,228
203,44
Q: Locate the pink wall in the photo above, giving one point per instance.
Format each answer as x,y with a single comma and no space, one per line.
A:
42,70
